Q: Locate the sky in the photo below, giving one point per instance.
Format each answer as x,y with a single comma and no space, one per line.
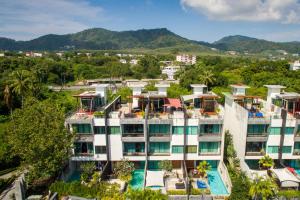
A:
202,20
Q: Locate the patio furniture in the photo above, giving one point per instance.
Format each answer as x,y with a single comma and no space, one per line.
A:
180,185
201,184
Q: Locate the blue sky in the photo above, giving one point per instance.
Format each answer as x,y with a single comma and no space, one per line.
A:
204,20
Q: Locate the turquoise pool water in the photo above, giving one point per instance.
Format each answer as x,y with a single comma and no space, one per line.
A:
297,171
217,187
75,176
137,181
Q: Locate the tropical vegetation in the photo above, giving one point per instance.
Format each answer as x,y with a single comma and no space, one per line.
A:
123,170
203,168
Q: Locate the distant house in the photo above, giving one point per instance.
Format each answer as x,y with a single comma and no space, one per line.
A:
187,59
134,62
123,61
60,54
33,54
170,71
2,54
295,66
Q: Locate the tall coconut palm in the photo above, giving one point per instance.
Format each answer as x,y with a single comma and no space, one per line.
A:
21,81
207,77
263,188
8,98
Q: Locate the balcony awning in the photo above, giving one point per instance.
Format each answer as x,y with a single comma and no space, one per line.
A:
155,178
171,102
286,178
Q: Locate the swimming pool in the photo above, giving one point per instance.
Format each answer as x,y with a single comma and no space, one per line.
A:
137,182
217,187
297,171
75,176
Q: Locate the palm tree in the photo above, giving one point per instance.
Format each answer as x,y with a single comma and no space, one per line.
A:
262,188
266,162
21,81
207,77
8,98
203,167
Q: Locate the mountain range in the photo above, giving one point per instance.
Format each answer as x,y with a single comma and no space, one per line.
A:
102,39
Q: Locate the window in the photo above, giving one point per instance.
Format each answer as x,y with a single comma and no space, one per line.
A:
272,149
159,129
287,149
114,130
159,147
255,146
275,131
191,149
209,147
133,128
177,149
210,128
134,147
100,149
82,128
289,130
257,129
99,129
178,130
298,129
83,148
192,130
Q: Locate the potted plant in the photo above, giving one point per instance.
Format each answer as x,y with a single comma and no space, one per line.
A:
202,168
266,162
99,114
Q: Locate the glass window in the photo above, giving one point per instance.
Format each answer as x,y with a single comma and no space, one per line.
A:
255,146
83,148
192,130
100,149
210,128
178,130
287,149
82,128
133,128
159,129
209,147
177,149
297,145
159,147
134,147
298,129
99,129
272,149
275,131
191,149
289,130
114,130
254,129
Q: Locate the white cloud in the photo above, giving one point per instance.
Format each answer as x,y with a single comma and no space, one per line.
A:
283,11
27,19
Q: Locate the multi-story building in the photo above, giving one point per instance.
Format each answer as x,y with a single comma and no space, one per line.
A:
150,128
170,71
295,65
262,127
187,59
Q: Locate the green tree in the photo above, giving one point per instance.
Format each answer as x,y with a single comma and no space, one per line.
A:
38,136
207,77
175,91
203,168
266,162
123,170
87,170
21,83
166,165
125,93
8,98
263,188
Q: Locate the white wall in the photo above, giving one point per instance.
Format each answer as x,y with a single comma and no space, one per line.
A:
116,148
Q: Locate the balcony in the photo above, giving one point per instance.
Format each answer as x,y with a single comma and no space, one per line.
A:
160,137
81,154
257,137
262,153
134,153
133,137
215,153
297,137
210,137
159,153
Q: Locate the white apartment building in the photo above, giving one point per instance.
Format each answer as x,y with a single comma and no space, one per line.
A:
150,128
170,71
262,127
295,66
186,59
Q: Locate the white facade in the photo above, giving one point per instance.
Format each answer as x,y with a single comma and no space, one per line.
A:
295,66
170,71
187,59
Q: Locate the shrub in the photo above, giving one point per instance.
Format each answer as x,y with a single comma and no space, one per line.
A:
289,194
176,192
196,191
124,169
166,165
